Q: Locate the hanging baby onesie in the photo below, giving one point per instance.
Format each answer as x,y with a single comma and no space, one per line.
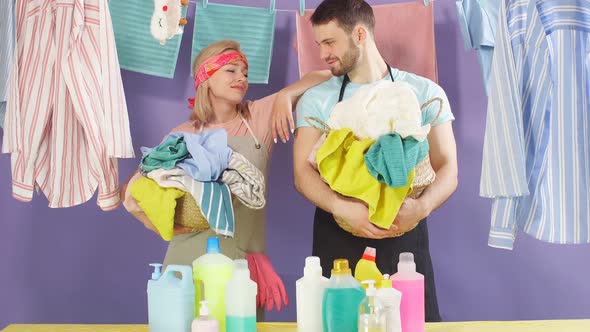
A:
252,27
536,158
6,51
404,34
478,20
66,120
138,50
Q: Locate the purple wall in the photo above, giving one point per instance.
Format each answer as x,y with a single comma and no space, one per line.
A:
81,265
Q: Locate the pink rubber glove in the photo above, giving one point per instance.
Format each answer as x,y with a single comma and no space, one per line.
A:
270,286
257,278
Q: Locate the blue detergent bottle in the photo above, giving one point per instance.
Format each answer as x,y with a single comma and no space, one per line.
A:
171,300
341,300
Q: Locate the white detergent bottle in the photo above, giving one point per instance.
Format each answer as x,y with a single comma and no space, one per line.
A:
240,299
371,311
309,296
204,323
391,299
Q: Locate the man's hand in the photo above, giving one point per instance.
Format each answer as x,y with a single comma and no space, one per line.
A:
410,214
356,214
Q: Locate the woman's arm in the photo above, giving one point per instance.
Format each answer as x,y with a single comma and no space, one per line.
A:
282,117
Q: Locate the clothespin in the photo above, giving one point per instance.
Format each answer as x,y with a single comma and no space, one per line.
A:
205,3
272,6
302,7
426,3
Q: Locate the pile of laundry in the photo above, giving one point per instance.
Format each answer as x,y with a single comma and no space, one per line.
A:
198,172
373,143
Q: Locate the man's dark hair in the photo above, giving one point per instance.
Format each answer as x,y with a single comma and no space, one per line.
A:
346,13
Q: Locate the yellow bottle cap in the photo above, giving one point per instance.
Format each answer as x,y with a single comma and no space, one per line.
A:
385,283
341,267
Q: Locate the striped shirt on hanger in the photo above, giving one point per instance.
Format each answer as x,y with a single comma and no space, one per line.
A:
536,164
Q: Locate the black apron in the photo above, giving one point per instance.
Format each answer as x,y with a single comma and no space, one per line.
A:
331,242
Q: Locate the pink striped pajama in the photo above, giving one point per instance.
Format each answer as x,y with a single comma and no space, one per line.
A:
66,120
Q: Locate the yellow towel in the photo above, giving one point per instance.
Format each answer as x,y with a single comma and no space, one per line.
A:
341,163
157,203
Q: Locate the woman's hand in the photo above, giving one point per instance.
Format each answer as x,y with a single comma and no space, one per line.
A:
282,117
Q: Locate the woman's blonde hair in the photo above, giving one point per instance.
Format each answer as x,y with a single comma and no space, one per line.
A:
203,110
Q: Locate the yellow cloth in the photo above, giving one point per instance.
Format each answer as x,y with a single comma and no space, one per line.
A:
157,203
341,163
508,326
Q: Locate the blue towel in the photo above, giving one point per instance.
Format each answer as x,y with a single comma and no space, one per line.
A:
208,151
137,49
215,201
252,27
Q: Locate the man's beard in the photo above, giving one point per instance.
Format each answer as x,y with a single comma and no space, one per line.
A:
348,61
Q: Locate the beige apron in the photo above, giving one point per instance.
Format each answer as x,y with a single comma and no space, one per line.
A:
250,225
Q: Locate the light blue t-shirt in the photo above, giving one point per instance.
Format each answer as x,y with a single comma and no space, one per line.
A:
320,100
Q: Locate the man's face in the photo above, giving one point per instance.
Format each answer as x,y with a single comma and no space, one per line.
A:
337,48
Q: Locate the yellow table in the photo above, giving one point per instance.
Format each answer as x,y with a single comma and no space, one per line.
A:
516,326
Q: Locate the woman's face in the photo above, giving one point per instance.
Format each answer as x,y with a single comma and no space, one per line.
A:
230,82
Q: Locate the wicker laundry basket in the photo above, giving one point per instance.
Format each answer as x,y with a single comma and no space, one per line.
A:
424,173
188,214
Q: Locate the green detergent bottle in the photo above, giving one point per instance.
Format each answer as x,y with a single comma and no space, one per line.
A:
211,272
341,300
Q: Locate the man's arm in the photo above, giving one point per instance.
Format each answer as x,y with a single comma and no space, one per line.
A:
443,158
309,183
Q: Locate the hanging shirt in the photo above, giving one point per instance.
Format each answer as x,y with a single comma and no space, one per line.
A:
536,163
252,27
66,120
6,51
478,20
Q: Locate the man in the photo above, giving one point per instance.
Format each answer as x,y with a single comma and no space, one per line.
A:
344,32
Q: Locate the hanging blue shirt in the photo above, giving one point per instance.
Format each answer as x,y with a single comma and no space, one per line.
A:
7,36
536,163
478,20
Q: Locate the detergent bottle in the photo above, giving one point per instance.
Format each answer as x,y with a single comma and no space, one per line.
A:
309,296
240,299
371,311
366,268
341,300
411,284
205,323
391,299
171,305
211,272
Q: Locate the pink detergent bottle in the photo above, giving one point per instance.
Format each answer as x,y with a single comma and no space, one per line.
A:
411,284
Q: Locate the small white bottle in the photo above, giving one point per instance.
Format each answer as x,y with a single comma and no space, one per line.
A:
391,299
240,299
371,311
309,296
204,323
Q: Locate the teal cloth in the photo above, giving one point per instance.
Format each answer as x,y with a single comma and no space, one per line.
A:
165,155
390,159
137,49
252,27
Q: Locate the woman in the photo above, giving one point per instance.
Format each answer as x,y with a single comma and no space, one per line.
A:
221,82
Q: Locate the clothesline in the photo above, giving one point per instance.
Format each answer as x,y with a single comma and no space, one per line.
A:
276,10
